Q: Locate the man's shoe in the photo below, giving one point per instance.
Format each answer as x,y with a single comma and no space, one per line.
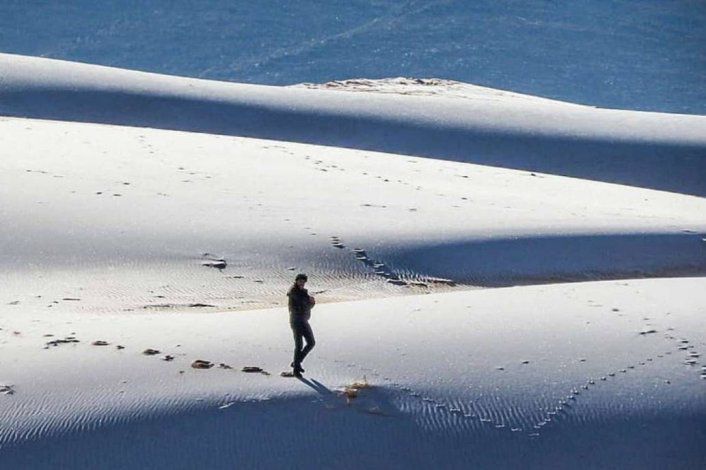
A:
296,368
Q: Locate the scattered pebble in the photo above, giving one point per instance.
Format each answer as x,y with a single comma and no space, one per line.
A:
57,342
150,352
201,364
218,264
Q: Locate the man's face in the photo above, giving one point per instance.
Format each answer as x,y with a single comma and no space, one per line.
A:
301,282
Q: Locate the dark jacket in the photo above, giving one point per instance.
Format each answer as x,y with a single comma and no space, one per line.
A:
299,304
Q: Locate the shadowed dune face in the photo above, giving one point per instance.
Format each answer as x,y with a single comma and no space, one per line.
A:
529,260
658,151
305,433
611,160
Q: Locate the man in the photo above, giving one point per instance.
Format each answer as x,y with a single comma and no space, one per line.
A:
300,304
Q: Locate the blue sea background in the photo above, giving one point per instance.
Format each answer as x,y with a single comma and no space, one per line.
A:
633,54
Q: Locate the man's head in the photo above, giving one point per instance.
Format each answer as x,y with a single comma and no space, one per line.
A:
300,280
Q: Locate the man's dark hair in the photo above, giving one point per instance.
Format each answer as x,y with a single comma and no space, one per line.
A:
301,276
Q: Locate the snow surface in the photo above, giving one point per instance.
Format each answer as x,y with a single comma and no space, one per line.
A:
123,226
659,151
539,376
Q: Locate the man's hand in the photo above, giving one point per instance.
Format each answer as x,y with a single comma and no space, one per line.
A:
312,300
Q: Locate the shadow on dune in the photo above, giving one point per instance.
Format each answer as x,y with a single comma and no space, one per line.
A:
301,433
540,259
474,135
317,386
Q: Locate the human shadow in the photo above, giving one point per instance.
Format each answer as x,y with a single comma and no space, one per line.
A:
317,386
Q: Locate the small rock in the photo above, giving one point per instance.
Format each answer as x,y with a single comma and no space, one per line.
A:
252,369
218,264
57,342
150,352
201,364
100,343
223,365
168,357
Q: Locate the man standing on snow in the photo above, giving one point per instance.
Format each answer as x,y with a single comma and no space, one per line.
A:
300,304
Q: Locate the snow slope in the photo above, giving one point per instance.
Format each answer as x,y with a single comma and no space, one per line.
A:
593,375
121,225
660,151
133,214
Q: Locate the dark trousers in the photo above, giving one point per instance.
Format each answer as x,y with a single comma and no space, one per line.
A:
302,329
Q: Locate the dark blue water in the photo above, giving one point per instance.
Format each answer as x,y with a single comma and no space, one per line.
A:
635,54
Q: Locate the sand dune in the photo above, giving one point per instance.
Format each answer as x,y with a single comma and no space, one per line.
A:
495,377
661,151
141,211
129,219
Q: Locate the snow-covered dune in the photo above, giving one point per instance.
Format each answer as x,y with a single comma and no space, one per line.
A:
661,151
594,375
121,226
135,217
